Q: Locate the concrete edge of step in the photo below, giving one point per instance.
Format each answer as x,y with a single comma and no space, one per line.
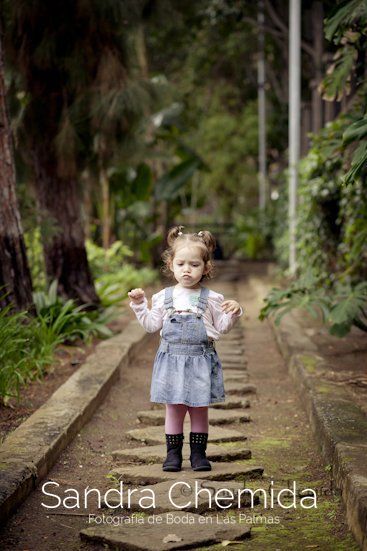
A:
28,453
339,425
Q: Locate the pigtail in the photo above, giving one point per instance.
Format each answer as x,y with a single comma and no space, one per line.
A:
173,234
208,239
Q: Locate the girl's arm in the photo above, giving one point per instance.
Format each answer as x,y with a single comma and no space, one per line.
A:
222,321
151,320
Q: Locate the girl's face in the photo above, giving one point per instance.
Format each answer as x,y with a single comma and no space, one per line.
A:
188,265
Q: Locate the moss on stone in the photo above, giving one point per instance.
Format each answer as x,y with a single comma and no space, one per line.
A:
309,362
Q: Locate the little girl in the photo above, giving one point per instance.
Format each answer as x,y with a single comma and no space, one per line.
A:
187,373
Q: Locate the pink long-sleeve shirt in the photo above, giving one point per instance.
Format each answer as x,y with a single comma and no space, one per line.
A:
215,320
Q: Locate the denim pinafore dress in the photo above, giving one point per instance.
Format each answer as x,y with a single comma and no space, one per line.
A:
186,368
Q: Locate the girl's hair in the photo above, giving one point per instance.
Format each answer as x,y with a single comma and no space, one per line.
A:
176,238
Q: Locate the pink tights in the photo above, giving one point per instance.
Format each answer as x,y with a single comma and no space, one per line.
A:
175,415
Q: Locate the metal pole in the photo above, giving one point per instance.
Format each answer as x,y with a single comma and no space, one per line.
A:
262,176
294,120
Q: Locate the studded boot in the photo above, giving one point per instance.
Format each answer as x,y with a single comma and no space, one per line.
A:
198,460
173,461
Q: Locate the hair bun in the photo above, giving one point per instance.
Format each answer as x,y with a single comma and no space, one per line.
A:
208,239
173,234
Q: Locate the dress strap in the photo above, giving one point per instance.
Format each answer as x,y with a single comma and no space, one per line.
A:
168,298
203,301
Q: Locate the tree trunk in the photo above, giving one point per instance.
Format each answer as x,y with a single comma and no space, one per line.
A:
86,206
15,277
106,215
65,254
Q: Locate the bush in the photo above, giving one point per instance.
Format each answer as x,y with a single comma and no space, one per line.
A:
112,287
27,344
340,308
252,234
24,352
331,236
114,277
67,322
103,261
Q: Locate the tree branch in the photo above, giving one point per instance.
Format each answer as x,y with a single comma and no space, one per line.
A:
274,16
280,33
280,93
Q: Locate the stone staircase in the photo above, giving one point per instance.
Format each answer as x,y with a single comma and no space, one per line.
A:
172,523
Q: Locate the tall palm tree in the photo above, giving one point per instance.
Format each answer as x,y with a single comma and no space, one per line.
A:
15,278
72,59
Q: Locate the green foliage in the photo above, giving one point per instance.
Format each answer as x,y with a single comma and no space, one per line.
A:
345,16
35,258
64,321
337,81
169,185
357,132
227,142
331,223
112,287
347,29
252,234
331,235
332,210
131,189
340,307
128,185
302,293
218,94
24,353
103,261
99,93
349,307
27,344
114,277
318,224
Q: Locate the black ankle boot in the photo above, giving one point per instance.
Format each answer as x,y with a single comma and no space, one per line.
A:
173,460
198,441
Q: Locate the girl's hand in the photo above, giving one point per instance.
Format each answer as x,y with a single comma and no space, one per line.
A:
137,295
231,307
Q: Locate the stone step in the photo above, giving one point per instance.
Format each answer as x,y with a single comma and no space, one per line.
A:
139,475
157,454
199,496
153,535
230,359
231,375
230,351
236,337
216,417
235,331
236,351
239,389
239,366
156,435
230,344
232,403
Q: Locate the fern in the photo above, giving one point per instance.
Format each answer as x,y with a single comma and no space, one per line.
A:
341,308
